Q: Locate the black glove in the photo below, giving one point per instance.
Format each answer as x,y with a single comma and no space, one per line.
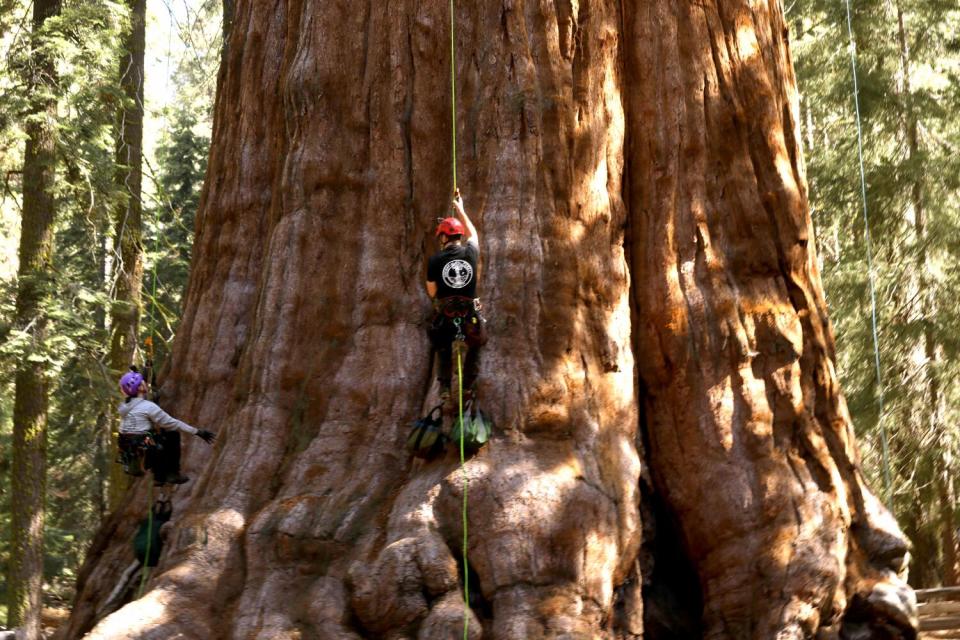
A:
206,436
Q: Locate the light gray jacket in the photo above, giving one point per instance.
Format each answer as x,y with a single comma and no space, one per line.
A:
140,416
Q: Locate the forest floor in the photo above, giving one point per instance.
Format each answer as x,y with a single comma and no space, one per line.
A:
52,618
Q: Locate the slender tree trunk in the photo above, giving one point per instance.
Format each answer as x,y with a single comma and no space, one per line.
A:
28,471
128,244
634,172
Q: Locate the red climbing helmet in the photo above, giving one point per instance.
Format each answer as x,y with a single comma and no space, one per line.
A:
450,227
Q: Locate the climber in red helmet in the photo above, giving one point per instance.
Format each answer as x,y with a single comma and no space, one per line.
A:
452,275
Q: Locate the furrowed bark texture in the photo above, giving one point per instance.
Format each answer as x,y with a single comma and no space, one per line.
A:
750,441
303,339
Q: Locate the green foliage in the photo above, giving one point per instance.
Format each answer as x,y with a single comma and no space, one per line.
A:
86,42
169,236
905,86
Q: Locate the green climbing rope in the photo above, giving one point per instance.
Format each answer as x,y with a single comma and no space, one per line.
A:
463,473
146,558
453,100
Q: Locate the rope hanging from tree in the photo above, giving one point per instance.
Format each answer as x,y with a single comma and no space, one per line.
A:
870,271
151,378
453,99
463,473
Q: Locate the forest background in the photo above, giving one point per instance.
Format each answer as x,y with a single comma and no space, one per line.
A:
908,66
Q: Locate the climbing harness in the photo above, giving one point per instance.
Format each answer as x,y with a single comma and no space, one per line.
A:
133,451
885,448
458,306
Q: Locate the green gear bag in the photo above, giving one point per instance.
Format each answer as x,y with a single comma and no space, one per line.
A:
476,430
148,534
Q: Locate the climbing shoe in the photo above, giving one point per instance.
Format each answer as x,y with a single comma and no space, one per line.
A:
426,439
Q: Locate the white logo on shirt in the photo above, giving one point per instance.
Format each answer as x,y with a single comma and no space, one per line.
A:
457,274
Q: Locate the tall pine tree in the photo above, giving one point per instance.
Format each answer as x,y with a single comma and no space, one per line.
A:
128,241
25,580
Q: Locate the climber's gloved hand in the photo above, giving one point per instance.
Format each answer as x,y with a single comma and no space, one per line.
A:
206,436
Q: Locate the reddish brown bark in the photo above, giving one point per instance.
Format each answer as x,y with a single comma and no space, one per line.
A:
750,440
303,339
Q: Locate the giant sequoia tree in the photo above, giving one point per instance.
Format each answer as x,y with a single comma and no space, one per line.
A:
674,457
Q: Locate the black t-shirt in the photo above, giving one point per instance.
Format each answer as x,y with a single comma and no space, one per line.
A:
455,270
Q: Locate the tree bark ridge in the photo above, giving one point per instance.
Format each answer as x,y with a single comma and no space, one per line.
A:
743,407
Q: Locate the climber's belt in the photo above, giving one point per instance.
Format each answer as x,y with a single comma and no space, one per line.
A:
136,441
458,306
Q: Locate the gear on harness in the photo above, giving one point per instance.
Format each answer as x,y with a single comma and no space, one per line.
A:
134,450
426,439
457,319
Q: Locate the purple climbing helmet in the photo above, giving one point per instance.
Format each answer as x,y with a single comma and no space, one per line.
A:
130,383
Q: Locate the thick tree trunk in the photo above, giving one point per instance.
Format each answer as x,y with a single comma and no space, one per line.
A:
303,340
29,467
750,441
128,239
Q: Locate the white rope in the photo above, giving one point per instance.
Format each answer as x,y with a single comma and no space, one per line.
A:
866,231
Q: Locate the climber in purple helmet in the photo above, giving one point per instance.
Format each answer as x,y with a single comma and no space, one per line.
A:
146,426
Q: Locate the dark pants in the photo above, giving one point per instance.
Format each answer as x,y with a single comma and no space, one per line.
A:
165,461
443,334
